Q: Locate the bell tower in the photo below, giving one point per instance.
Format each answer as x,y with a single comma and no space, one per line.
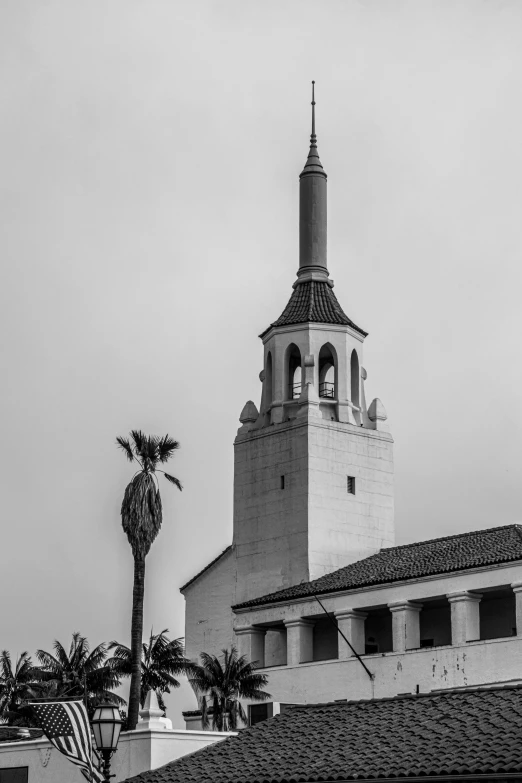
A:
313,475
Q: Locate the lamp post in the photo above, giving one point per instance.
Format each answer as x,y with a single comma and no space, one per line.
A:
106,725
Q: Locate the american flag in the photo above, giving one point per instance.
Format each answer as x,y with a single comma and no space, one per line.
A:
66,725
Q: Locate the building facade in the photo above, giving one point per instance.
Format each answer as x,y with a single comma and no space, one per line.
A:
312,586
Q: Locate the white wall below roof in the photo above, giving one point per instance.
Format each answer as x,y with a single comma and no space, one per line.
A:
138,751
433,668
208,613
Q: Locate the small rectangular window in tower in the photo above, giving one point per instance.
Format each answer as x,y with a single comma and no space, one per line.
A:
282,482
350,484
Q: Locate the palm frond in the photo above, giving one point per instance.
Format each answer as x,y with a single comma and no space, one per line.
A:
174,480
225,680
141,513
139,439
166,448
124,444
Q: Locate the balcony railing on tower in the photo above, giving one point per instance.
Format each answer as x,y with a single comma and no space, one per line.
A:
327,389
294,391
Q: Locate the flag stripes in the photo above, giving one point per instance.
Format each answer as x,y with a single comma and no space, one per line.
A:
66,726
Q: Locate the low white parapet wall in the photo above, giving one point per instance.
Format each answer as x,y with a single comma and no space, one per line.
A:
138,751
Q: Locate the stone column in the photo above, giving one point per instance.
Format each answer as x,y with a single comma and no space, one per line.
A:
465,616
517,589
299,641
405,625
351,623
251,642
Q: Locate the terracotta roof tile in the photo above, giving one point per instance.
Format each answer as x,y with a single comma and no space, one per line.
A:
411,561
314,302
432,734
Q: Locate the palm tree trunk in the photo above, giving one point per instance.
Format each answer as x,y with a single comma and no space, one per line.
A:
136,642
224,714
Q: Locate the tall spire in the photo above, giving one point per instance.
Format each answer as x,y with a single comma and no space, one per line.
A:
312,212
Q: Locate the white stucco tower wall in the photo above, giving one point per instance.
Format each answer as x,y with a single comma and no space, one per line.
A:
312,492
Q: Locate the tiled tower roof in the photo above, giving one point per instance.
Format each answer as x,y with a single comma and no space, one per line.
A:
314,302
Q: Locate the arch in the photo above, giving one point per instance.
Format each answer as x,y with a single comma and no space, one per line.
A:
293,378
268,385
355,376
328,371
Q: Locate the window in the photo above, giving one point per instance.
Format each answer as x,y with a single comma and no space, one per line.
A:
259,712
350,484
327,372
371,646
293,370
427,642
14,775
282,482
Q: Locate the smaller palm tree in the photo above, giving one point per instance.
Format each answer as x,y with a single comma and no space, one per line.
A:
220,683
162,659
18,686
79,672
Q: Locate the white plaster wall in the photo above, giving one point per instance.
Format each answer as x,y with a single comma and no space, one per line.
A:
208,613
138,751
313,526
270,523
342,527
476,663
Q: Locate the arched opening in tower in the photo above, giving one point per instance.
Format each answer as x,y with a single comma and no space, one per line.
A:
355,376
327,371
293,363
268,389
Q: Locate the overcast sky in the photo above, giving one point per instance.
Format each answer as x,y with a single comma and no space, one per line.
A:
150,153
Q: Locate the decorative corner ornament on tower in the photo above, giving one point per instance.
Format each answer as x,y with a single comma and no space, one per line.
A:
106,725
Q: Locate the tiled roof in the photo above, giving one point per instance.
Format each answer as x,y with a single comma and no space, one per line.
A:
212,562
411,561
453,733
314,302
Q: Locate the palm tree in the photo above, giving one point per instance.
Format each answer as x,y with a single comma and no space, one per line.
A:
141,517
224,681
161,659
17,687
79,672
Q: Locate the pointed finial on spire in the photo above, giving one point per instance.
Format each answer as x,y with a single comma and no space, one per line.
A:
313,137
313,164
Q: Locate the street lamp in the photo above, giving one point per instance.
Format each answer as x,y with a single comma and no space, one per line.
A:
106,725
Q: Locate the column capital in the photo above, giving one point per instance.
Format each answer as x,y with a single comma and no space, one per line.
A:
299,622
463,595
251,630
516,587
401,606
350,614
